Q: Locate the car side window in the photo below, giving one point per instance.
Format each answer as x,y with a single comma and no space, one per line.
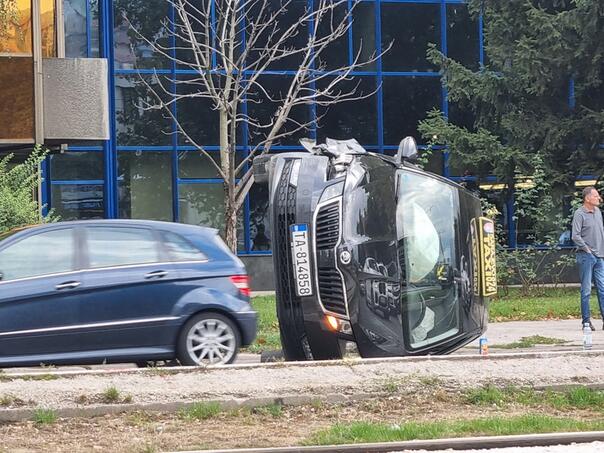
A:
49,252
120,246
180,249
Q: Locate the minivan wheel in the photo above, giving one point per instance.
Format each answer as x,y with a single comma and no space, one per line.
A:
208,339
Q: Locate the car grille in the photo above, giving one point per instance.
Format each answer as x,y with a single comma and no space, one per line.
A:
285,213
327,234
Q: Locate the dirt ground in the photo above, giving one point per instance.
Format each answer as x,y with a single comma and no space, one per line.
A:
152,432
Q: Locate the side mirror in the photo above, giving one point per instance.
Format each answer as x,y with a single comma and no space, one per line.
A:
1,276
407,150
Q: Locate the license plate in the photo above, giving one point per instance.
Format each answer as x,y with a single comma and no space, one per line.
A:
301,259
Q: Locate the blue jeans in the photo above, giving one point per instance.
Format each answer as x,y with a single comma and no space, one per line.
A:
590,268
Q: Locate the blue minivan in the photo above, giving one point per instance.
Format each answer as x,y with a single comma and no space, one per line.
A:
121,291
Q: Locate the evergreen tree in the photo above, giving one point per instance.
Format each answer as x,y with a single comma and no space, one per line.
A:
539,95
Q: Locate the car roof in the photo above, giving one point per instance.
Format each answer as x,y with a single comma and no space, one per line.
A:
170,226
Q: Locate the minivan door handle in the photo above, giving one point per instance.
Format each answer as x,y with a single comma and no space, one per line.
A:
67,285
156,274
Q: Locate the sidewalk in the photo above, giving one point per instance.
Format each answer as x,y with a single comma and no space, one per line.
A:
569,330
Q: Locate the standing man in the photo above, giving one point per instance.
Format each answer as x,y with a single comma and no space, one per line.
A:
588,236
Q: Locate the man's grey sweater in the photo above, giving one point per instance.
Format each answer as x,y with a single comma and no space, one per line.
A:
588,231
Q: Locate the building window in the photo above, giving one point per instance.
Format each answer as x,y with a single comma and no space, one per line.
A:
145,185
262,109
410,27
363,34
462,36
197,115
148,18
77,185
48,27
352,119
260,226
137,123
203,204
406,101
81,18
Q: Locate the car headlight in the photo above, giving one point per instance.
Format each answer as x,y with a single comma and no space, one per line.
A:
332,191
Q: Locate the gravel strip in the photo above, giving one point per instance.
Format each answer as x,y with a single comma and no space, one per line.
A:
151,386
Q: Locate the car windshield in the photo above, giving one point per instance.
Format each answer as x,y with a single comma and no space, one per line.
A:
426,217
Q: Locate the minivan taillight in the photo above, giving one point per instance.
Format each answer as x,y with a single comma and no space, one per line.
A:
242,282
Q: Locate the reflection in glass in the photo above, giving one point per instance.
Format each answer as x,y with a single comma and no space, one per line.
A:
146,18
76,35
17,101
363,34
260,226
410,27
48,27
335,54
46,253
15,28
406,101
262,110
427,256
76,165
137,123
462,36
145,185
197,116
203,204
194,165
78,201
351,119
288,17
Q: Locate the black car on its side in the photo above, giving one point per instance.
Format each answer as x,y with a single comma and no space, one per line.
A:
371,249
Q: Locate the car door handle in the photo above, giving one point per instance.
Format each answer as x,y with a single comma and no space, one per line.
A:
156,274
67,285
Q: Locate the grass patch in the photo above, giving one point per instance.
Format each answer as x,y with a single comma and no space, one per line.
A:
10,400
200,411
360,432
45,416
549,303
274,410
576,398
268,327
529,342
110,396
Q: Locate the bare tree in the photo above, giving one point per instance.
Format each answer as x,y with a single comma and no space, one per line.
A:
230,45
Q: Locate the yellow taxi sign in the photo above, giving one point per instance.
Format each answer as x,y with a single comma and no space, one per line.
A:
484,279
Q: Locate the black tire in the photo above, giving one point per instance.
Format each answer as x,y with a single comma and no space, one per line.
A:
221,325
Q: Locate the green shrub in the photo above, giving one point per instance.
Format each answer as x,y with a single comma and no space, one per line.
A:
18,186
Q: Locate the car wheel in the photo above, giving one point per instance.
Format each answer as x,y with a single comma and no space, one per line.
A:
208,339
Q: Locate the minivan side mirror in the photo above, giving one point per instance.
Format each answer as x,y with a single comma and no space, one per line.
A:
407,150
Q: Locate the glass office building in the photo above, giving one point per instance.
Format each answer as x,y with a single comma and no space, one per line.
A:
147,171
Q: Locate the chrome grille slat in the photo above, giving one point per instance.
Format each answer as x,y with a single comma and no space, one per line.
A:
327,235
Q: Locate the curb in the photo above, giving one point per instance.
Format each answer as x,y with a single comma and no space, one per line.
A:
456,443
16,415
308,364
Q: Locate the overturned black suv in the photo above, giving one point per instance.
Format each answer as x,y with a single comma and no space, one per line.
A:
371,249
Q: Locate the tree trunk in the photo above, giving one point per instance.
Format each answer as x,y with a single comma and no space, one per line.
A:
230,217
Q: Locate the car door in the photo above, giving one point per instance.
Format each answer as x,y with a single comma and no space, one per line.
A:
40,293
128,289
